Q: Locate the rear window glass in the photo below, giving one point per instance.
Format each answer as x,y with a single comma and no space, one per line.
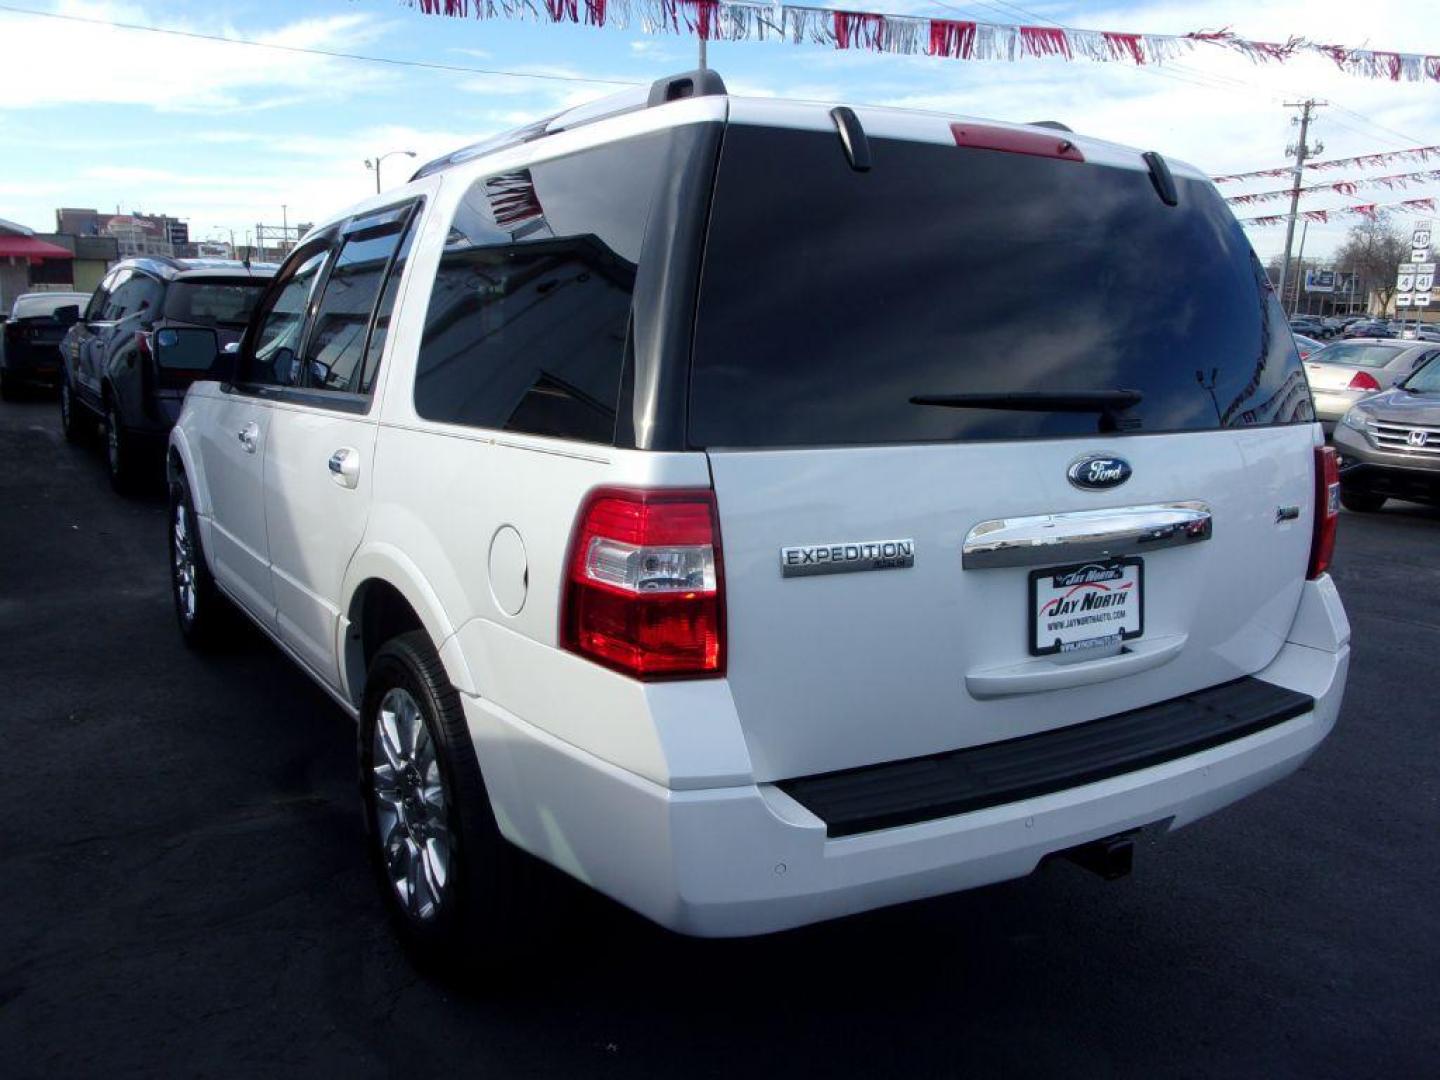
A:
43,306
213,303
1372,356
829,298
530,310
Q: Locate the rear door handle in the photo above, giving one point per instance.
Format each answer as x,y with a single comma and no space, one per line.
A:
249,436
1082,535
345,467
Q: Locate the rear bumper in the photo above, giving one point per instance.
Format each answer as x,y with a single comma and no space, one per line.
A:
1331,405
748,859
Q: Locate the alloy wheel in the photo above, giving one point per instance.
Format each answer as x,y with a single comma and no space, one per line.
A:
183,564
112,439
411,809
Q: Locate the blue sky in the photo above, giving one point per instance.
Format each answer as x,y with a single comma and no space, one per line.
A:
224,135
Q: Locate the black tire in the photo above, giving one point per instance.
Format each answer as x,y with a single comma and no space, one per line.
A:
121,453
73,420
204,617
1362,502
482,908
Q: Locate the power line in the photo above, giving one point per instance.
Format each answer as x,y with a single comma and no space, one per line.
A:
307,51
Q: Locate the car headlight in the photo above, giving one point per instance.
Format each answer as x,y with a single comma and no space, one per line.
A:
1354,418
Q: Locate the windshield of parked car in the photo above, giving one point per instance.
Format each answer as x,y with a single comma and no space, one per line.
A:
44,304
829,298
213,303
1426,380
1371,356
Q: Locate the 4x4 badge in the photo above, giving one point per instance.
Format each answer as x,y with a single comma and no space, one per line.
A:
1096,472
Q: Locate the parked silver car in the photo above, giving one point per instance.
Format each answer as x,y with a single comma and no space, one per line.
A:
1349,371
1389,444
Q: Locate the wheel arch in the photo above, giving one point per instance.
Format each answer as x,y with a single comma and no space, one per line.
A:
180,459
385,594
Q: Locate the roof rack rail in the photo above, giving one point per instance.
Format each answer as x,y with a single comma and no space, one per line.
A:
688,84
1055,124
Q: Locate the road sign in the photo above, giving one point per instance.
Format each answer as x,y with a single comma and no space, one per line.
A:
1424,277
1422,299
1405,278
1420,238
1403,299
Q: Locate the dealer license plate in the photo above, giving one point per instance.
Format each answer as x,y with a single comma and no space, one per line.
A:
1086,607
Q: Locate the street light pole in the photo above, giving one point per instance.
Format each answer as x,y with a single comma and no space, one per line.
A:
374,163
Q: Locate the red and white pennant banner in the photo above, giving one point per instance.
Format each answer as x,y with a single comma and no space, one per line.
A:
1364,161
911,35
1409,206
1342,187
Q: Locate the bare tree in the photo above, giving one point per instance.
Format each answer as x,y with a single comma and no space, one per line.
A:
1372,250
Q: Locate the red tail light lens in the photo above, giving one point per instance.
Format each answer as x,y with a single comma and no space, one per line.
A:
645,590
1327,510
1363,380
142,342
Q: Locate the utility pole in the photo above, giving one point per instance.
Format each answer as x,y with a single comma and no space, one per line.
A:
1300,150
1299,271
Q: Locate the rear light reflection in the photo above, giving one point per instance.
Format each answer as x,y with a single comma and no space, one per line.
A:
1327,510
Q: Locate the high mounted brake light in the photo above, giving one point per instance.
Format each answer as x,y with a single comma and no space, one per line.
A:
645,589
1033,143
1327,510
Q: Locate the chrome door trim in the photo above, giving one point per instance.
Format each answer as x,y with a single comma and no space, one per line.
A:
1078,536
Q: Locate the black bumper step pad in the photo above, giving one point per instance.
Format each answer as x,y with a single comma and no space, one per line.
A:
922,789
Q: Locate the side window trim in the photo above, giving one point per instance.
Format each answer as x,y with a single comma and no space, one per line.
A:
297,259
407,222
397,218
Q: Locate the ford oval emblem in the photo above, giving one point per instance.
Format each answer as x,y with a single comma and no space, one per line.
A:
1096,472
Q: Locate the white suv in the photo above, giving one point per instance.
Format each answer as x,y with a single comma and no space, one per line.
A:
764,511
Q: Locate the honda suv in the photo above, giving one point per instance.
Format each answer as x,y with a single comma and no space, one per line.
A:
109,368
681,491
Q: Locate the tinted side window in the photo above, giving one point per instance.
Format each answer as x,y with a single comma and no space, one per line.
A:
528,316
376,348
132,293
95,310
337,342
273,358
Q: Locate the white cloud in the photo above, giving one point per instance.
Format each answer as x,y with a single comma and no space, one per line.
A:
111,65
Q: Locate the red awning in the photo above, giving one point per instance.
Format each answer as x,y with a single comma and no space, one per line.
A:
27,247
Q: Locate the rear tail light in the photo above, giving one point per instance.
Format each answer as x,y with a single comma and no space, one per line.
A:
1327,510
645,587
1363,380
142,342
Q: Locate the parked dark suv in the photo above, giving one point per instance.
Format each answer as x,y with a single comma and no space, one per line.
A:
110,371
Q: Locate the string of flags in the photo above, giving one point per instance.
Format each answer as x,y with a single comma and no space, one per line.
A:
1342,187
911,35
1364,161
1369,210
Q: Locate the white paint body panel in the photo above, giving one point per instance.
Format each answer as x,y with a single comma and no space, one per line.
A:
660,794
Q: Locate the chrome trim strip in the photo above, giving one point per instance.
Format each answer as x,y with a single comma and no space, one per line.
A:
1079,536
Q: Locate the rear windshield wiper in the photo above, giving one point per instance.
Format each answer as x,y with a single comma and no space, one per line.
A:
1076,401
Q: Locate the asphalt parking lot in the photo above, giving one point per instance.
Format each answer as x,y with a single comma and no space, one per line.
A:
185,891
